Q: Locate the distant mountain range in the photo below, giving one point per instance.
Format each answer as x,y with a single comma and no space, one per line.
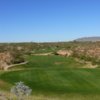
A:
88,39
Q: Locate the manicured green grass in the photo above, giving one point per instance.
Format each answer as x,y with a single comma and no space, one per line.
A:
56,76
57,81
55,62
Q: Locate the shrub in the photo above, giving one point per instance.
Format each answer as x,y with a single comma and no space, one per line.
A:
21,90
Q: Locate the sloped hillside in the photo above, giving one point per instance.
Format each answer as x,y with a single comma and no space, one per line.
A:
5,60
91,39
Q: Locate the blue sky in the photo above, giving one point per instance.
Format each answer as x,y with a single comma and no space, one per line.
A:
48,20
